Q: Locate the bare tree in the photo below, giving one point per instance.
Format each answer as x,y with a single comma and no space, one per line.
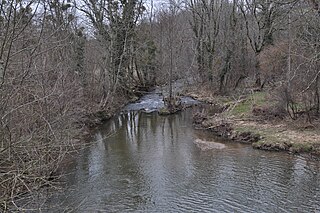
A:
39,92
115,22
262,20
205,23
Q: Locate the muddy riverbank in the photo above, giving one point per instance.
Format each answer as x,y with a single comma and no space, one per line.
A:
250,118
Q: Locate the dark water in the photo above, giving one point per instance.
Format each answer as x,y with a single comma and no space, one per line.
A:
142,162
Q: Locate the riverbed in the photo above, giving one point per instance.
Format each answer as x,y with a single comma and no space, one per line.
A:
143,162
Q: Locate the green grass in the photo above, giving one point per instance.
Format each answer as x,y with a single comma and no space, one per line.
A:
269,135
305,147
258,98
271,138
245,107
266,133
242,108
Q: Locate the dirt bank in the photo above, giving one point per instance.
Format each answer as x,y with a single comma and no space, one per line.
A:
251,118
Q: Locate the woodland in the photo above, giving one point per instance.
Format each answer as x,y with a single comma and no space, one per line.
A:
64,64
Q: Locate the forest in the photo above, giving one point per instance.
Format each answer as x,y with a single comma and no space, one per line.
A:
67,65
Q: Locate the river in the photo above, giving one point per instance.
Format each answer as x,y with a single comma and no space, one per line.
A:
143,162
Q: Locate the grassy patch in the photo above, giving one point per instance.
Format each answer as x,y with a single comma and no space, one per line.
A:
242,108
299,147
272,139
246,129
258,98
249,114
268,134
245,107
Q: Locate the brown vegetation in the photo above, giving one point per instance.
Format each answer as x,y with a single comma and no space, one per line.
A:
56,78
64,64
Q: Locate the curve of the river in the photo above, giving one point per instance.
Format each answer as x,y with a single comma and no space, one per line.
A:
143,162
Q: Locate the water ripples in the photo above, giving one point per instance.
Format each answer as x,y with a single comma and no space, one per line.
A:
152,165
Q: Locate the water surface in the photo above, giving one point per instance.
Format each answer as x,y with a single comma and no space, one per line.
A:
142,162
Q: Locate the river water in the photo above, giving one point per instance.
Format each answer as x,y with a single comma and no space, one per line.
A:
143,162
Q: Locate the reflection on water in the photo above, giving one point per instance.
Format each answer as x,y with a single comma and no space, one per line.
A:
147,163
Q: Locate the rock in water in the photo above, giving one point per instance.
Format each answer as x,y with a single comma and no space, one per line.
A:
208,145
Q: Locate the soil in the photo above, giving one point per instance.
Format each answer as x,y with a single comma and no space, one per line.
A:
259,125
